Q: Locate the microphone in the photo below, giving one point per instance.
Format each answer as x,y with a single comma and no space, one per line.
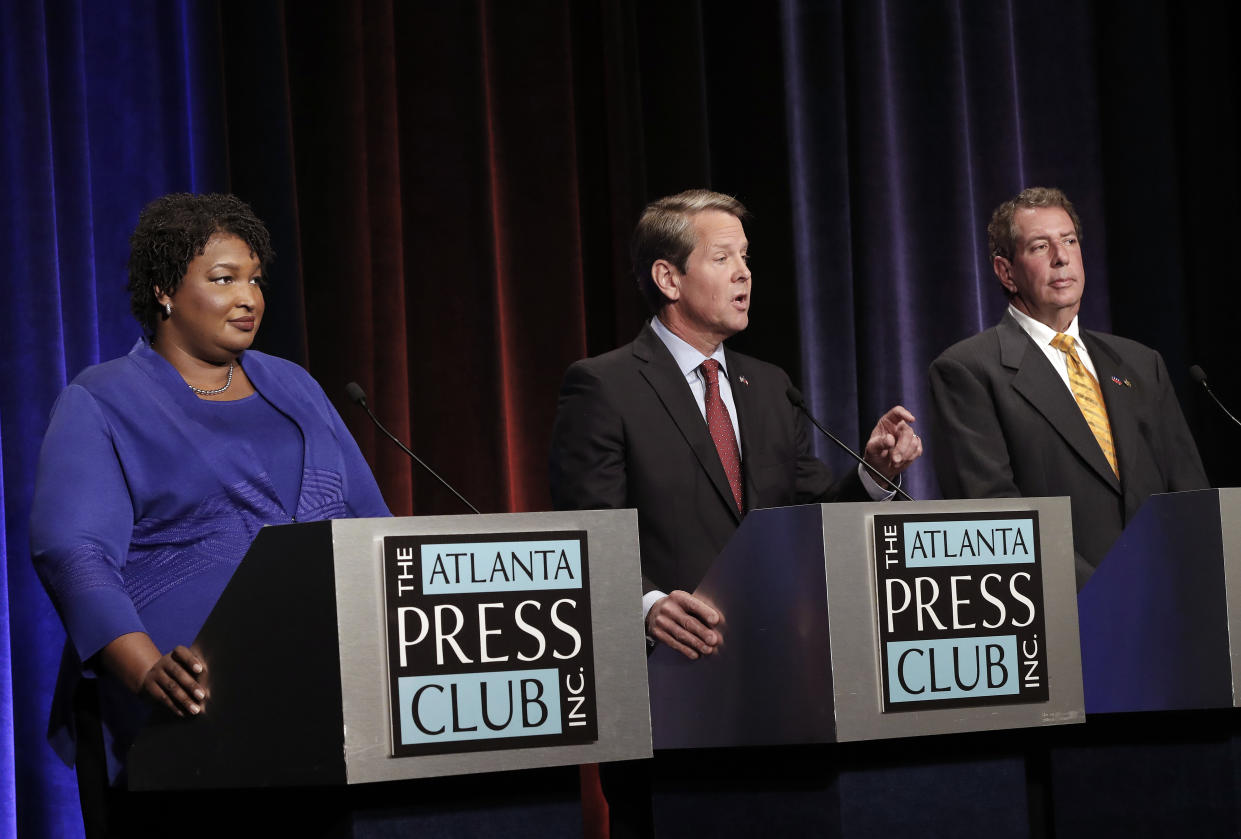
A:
799,401
356,394
1199,376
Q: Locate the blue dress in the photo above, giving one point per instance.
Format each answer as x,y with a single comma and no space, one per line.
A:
142,511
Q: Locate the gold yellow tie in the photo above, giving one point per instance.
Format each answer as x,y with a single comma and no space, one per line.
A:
1089,398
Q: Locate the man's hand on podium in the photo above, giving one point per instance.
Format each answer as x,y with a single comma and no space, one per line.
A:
685,623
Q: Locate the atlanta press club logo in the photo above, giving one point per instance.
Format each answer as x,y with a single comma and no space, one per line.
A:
960,605
489,641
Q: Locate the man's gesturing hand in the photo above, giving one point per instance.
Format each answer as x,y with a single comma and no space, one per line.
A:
893,446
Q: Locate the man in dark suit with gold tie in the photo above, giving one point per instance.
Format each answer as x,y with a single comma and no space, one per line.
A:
1037,406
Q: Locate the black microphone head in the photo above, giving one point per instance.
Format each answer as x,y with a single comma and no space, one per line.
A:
356,393
795,397
1198,375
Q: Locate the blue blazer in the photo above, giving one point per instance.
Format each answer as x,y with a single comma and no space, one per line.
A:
141,513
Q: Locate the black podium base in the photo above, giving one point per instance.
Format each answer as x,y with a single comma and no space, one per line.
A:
1144,774
530,804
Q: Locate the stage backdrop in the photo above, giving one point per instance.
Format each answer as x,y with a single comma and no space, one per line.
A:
451,187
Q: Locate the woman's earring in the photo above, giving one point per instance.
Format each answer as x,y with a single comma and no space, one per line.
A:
167,310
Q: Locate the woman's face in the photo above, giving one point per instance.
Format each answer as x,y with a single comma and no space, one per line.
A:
218,306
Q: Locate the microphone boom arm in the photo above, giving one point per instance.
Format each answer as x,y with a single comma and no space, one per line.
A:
794,396
358,395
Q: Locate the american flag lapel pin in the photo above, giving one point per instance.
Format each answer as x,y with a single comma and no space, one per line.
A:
1116,381
744,380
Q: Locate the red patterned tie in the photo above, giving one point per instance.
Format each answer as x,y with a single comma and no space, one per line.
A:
721,428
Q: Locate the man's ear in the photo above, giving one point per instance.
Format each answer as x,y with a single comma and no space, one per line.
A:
666,278
1004,270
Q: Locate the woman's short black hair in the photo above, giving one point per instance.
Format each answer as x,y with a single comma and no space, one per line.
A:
172,231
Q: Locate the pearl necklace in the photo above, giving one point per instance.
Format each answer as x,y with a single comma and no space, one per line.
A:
218,390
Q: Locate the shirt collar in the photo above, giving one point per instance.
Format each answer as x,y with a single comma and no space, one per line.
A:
1039,331
688,358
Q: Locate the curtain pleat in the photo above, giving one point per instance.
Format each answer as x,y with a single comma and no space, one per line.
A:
451,188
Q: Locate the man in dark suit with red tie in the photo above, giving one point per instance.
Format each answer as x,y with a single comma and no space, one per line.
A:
1036,406
693,435
689,432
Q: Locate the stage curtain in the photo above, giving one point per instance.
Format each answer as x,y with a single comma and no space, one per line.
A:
105,106
451,188
464,177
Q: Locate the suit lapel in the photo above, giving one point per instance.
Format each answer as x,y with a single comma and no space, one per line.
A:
1119,400
1039,383
660,370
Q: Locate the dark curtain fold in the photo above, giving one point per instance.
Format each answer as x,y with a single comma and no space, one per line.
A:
440,231
1170,110
259,142
451,188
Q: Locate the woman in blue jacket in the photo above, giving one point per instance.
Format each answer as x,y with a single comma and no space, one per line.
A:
159,468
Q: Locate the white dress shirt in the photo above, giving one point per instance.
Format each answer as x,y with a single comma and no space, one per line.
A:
1043,336
689,360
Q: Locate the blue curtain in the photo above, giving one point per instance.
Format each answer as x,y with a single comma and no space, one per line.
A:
445,169
907,123
106,106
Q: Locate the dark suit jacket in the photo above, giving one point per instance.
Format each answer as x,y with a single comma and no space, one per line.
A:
1005,425
629,434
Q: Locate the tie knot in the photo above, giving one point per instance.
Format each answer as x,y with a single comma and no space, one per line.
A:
1063,342
711,369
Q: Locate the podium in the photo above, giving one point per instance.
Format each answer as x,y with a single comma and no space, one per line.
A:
801,660
809,658
1160,624
1161,617
358,651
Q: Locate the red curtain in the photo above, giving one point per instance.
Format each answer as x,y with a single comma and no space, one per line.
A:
436,198
436,153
